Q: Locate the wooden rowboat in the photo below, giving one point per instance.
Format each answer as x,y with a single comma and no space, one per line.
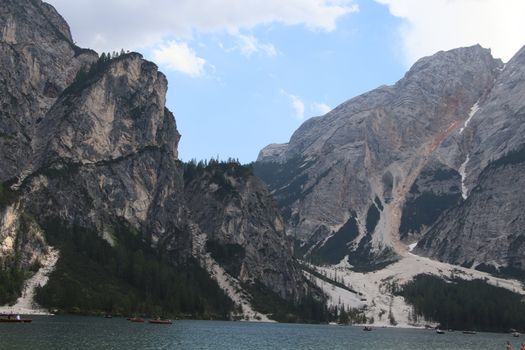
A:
158,321
14,320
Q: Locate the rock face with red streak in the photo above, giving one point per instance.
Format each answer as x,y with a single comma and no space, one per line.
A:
359,179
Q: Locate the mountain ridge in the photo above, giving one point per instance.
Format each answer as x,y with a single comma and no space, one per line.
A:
371,154
92,170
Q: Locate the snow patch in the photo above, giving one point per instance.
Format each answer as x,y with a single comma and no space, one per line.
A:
473,111
412,246
25,305
463,173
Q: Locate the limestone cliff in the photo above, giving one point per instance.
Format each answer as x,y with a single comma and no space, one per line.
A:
343,179
89,162
485,229
245,232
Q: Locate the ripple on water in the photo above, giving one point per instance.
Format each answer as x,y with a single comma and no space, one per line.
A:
77,332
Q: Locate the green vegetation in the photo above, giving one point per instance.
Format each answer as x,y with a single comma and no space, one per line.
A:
60,170
513,157
505,271
11,282
287,178
12,272
424,210
88,74
219,169
424,206
219,172
7,196
460,304
363,259
325,278
350,316
229,256
308,310
340,313
336,247
131,278
372,218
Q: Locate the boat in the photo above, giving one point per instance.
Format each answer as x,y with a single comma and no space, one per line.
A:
160,321
515,334
136,319
440,331
367,328
12,319
22,320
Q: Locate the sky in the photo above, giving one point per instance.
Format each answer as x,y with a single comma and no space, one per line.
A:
247,73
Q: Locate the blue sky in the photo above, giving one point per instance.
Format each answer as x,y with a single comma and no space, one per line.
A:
243,103
246,73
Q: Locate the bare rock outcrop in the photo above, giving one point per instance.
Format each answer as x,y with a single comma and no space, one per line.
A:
87,146
343,178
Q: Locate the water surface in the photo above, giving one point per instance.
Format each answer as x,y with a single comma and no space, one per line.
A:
76,332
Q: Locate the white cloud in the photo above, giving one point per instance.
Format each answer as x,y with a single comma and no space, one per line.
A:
133,24
296,103
248,45
434,25
179,57
321,108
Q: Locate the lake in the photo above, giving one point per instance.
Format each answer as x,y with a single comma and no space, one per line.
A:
77,332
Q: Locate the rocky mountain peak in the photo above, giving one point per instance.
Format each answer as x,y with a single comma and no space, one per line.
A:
122,112
39,61
451,81
444,62
26,22
355,166
90,166
483,229
449,73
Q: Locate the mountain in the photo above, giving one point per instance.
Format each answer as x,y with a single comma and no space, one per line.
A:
90,170
484,229
433,159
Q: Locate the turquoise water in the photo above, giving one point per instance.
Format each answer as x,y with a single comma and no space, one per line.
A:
76,332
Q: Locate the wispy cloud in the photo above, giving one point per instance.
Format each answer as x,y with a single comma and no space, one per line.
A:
248,45
296,103
433,25
321,108
179,57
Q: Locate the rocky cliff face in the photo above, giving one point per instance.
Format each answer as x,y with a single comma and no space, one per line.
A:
87,145
245,233
109,142
39,60
434,160
484,230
